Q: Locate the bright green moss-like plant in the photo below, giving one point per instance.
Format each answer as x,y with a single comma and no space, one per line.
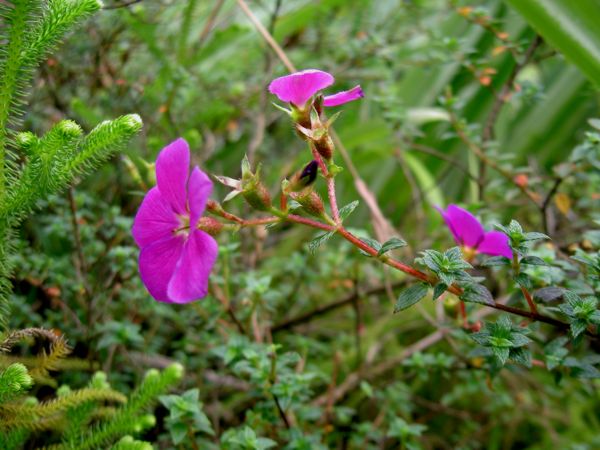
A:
31,169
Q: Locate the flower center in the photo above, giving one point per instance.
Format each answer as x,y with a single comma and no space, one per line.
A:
184,226
468,253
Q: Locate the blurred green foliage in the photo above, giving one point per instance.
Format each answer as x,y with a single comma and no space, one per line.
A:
297,349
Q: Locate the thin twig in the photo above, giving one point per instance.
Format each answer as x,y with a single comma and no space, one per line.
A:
321,310
267,36
122,4
210,21
81,267
375,370
477,151
501,98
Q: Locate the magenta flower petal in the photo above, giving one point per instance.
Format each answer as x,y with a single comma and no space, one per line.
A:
158,262
495,243
199,189
190,279
465,226
155,220
343,97
449,224
298,87
172,169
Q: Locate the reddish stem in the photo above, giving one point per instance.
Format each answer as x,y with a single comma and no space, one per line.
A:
332,200
320,162
463,313
529,299
309,222
260,221
224,214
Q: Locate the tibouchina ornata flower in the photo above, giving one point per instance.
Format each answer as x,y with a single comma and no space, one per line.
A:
176,257
470,235
299,87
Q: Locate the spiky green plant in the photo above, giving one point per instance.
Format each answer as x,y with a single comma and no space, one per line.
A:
31,167
78,415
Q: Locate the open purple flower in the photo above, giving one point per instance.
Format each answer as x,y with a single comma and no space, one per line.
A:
469,233
176,257
299,87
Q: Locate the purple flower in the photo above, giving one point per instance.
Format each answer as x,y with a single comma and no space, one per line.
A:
176,257
299,87
468,232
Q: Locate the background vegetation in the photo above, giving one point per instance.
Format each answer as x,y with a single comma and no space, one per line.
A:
298,349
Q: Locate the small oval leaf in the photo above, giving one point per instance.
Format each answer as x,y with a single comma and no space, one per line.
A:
410,296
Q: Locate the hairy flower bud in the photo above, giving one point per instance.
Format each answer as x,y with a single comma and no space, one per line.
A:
311,202
257,196
324,145
253,190
318,136
210,225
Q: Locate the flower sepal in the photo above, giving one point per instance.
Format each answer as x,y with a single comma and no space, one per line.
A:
310,201
252,189
301,116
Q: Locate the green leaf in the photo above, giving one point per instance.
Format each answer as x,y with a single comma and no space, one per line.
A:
496,261
431,259
548,294
570,27
446,278
556,352
391,244
534,236
482,338
578,326
501,353
533,261
521,356
345,211
523,280
370,242
519,340
410,296
319,240
594,123
477,293
438,290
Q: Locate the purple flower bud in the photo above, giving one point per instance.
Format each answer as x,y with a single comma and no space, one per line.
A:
309,173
